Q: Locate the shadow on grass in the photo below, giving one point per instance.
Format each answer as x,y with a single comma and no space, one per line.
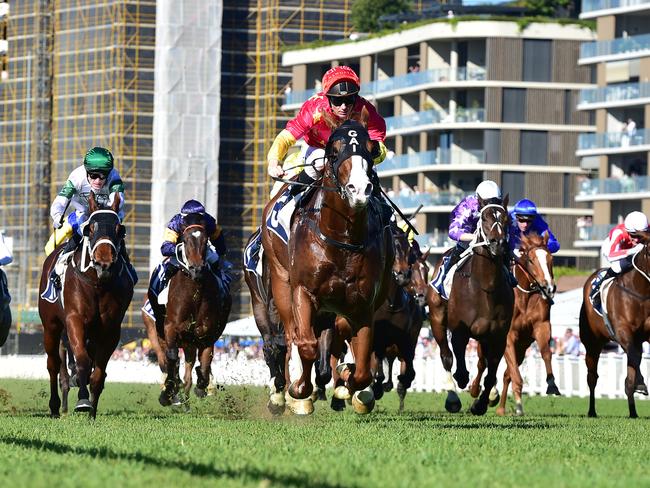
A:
193,468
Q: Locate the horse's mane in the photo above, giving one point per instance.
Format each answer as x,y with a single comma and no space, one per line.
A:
531,240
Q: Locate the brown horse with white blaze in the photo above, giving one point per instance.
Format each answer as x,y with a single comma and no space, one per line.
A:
628,311
480,306
338,259
97,291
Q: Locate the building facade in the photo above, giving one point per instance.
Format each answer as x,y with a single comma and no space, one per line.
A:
466,101
617,153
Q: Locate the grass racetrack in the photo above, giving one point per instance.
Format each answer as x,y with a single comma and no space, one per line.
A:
231,440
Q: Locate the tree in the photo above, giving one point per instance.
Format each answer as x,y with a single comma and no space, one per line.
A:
366,13
546,8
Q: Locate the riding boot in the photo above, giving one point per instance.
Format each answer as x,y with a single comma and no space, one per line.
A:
70,245
304,179
510,277
447,263
594,294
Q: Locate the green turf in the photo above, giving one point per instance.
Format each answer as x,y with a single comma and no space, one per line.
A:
230,440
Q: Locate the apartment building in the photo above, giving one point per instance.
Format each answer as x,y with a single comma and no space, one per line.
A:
616,154
470,100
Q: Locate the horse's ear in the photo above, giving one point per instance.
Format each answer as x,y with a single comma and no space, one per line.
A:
425,256
365,115
92,203
121,231
505,200
116,202
644,236
546,238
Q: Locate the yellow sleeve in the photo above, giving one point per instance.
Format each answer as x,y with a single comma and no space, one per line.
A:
281,145
170,236
382,153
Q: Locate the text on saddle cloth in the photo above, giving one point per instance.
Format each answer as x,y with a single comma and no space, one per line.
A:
51,293
279,220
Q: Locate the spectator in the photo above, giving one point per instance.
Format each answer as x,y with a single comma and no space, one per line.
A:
570,343
629,131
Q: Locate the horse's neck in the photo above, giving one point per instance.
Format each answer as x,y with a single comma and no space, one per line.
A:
641,272
486,269
523,277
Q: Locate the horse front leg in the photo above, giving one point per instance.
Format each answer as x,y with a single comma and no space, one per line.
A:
633,352
52,339
459,341
512,354
377,365
203,370
475,388
341,393
105,348
359,381
64,376
189,354
305,341
77,337
438,320
323,367
169,395
493,352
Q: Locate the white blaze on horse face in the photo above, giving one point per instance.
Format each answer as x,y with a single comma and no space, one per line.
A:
541,257
196,233
358,186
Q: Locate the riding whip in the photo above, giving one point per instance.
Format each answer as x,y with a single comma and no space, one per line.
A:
408,222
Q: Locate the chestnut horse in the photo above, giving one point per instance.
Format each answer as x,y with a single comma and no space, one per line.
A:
338,259
628,312
531,320
194,315
97,291
480,306
399,320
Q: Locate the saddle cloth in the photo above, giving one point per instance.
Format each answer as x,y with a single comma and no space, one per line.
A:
605,286
51,293
279,220
449,278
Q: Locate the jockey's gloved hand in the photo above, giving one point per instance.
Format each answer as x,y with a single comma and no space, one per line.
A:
57,222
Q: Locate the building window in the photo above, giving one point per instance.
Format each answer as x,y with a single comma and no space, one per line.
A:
513,183
537,60
533,147
492,146
514,105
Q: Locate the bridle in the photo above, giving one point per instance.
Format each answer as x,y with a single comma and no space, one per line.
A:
481,239
90,245
535,285
180,254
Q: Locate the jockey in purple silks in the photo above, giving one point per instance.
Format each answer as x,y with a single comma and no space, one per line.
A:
462,228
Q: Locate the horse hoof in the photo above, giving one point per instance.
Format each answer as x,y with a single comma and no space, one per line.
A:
200,392
363,401
452,403
322,395
83,405
302,407
478,408
163,399
378,390
519,410
500,411
475,392
552,389
641,388
592,415
461,379
337,404
341,368
55,415
493,400
388,386
276,408
342,393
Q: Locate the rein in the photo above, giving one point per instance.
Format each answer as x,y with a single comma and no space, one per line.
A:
642,273
479,231
180,247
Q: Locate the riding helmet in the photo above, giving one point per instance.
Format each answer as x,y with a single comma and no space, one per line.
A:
340,81
525,207
488,189
636,222
98,159
192,207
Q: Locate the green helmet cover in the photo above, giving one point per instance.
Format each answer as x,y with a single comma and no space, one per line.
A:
98,159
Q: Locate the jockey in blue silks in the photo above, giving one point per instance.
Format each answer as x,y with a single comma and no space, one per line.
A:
216,251
462,228
525,220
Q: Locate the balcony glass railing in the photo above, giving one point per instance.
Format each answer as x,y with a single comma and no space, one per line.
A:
439,156
434,117
378,87
613,140
615,93
624,184
623,45
591,5
413,200
437,238
588,232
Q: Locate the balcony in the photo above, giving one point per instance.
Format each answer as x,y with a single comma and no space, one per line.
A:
428,158
431,117
623,188
592,235
625,94
595,8
615,49
379,88
436,239
441,198
613,143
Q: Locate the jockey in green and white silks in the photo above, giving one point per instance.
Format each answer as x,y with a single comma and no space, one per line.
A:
97,174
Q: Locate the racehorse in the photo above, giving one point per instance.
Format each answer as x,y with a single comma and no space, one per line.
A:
531,318
480,306
96,293
627,306
399,320
5,311
338,260
194,317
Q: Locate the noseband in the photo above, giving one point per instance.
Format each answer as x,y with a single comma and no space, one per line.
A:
482,239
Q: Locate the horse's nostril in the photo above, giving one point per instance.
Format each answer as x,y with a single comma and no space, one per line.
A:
368,190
